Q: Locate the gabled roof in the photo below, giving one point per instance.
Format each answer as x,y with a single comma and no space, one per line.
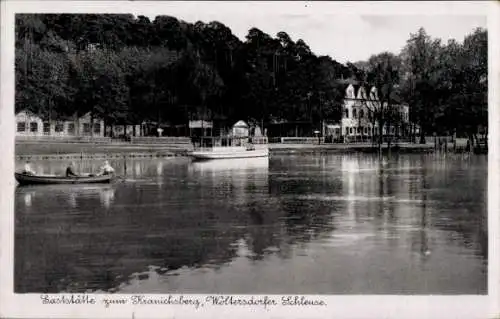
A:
357,86
241,124
27,112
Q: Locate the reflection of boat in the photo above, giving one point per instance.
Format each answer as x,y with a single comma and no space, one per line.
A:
25,179
72,192
232,164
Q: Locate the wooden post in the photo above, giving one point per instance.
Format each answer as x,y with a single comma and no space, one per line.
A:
124,165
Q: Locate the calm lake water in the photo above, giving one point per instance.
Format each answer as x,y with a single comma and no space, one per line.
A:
325,224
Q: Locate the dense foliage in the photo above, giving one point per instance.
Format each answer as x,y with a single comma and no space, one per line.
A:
129,69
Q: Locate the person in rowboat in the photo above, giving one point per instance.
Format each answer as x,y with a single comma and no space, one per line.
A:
27,169
70,171
106,169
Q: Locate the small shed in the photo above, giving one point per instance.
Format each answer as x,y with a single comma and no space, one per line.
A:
240,128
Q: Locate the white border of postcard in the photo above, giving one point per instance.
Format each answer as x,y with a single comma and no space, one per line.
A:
338,306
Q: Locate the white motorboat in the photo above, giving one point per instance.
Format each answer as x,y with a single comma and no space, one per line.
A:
226,147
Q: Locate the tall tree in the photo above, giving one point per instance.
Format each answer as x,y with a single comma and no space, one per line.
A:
421,58
384,75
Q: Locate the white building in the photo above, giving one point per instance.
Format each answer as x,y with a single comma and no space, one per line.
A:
358,123
31,125
28,124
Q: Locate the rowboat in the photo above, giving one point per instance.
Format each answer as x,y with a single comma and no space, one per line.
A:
25,179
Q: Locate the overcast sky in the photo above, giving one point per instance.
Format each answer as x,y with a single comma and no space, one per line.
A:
347,31
347,38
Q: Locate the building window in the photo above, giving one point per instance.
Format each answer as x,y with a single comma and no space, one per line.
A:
350,130
361,114
86,128
366,130
354,113
46,128
346,111
21,126
358,130
33,127
71,128
59,127
97,128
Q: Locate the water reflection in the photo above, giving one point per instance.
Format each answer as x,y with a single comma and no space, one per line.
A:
239,165
291,224
72,195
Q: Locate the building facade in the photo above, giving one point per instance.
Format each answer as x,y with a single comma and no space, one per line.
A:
31,125
358,123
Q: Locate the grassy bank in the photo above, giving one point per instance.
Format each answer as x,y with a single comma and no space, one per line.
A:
24,148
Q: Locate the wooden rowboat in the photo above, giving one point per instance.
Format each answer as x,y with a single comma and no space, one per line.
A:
25,179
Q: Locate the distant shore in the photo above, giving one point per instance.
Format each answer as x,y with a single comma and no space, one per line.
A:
58,150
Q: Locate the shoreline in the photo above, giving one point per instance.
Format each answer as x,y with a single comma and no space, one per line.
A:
62,151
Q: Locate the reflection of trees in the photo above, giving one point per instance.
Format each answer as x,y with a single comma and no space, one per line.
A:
304,220
262,227
454,200
470,215
102,252
191,227
201,217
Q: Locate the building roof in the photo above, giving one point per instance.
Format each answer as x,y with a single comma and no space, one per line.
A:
241,124
357,86
28,113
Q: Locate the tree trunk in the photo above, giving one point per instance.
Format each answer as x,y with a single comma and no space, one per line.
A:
471,142
389,140
77,126
92,124
478,143
389,136
422,136
380,137
455,141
